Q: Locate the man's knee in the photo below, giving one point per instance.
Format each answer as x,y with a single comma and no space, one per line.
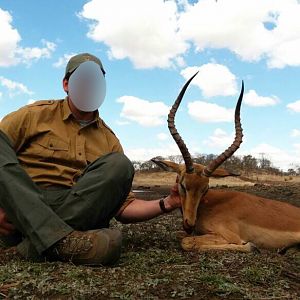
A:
115,165
120,163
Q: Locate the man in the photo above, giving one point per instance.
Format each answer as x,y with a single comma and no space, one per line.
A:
63,175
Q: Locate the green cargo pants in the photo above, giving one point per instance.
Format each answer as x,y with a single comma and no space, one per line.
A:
43,217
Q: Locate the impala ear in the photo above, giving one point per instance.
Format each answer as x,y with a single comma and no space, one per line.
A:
198,168
167,165
219,172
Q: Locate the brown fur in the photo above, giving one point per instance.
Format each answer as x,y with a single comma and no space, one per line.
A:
231,220
242,217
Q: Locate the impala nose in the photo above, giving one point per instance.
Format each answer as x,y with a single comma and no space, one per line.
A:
187,227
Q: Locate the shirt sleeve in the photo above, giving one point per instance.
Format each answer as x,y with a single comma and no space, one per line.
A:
130,198
16,126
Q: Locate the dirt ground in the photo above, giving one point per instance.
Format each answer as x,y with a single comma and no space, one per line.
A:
153,266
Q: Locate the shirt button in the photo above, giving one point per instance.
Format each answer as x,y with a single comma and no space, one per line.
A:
79,153
79,133
51,145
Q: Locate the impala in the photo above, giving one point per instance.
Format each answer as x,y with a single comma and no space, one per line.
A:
227,220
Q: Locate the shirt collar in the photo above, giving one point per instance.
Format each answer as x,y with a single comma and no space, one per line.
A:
67,114
66,109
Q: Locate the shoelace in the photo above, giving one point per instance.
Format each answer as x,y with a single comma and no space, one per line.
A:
75,245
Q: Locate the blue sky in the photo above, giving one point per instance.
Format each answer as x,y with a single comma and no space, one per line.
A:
149,48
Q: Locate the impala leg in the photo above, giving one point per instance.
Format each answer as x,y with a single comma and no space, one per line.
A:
209,242
283,250
180,234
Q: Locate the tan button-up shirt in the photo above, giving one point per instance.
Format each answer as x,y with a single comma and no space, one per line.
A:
52,146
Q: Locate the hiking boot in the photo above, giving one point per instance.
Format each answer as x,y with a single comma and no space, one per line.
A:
93,247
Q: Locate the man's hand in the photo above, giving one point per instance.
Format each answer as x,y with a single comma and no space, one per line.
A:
142,210
173,201
6,228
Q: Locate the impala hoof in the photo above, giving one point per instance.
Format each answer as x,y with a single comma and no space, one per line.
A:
188,244
181,234
253,248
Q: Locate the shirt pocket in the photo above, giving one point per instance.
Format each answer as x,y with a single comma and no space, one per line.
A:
47,148
57,145
59,149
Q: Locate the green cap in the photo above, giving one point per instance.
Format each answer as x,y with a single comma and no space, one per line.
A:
78,59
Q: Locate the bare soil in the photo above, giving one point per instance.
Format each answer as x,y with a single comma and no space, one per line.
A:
153,266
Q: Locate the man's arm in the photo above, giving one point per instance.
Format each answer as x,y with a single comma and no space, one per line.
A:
142,210
16,127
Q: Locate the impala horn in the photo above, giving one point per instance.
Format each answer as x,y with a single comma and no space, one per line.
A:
176,136
213,165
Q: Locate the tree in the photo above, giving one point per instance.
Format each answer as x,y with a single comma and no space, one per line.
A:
291,172
249,163
136,164
176,158
264,163
199,159
149,166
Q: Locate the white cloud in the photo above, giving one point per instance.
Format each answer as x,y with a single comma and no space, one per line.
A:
1,94
294,106
213,79
13,87
27,55
144,31
144,154
297,148
163,136
286,35
279,157
143,112
63,60
122,123
210,112
11,52
253,30
252,99
295,133
9,39
156,33
30,101
219,139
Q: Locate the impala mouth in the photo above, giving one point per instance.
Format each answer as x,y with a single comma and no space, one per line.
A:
188,228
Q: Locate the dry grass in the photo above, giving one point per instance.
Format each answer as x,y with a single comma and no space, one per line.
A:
168,179
274,178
